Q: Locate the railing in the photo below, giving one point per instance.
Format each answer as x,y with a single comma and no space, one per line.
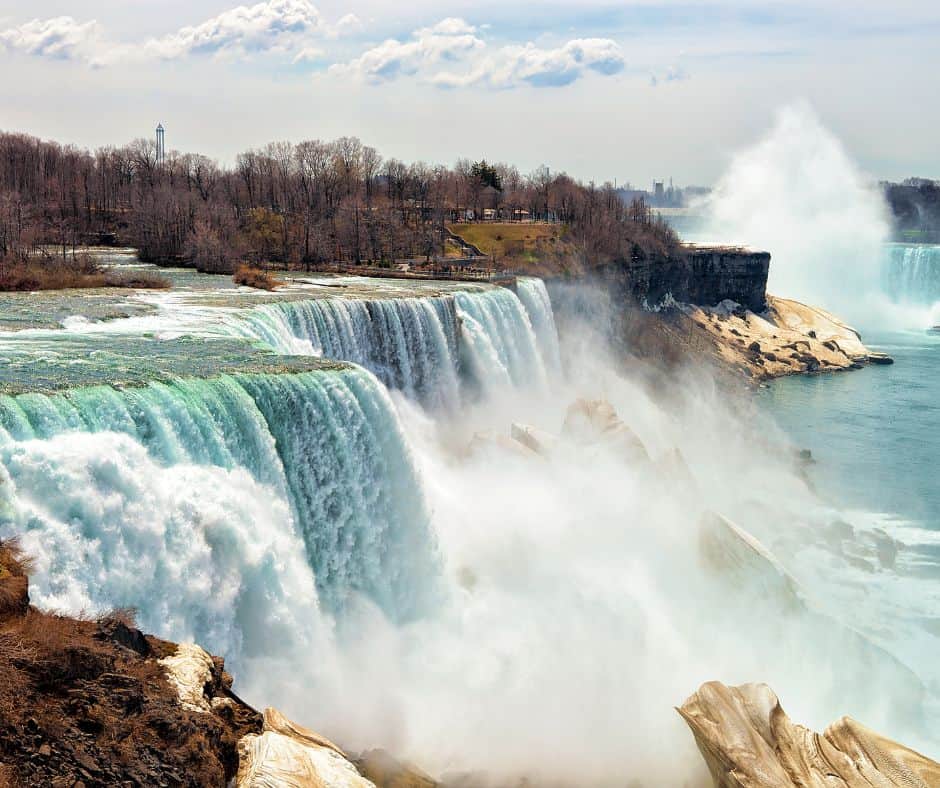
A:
434,271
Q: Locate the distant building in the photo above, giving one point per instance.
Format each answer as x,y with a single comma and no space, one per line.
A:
161,144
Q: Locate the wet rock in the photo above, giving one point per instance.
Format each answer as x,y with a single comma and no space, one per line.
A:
120,633
388,772
290,756
539,441
748,741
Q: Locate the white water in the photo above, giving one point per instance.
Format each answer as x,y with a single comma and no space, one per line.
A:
798,194
391,591
320,454
911,274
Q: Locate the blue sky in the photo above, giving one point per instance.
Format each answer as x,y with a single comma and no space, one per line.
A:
625,90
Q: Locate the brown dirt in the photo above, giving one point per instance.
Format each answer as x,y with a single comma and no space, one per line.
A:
85,703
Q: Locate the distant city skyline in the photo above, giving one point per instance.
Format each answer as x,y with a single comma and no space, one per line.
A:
600,90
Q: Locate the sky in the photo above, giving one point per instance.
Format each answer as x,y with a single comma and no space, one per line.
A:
603,90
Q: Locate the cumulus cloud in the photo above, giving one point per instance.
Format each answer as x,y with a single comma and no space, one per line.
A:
283,26
449,40
532,65
278,25
438,52
61,38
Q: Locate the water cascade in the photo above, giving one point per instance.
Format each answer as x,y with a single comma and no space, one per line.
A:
189,499
424,346
911,273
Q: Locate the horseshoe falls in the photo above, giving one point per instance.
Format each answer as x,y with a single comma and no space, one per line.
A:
911,273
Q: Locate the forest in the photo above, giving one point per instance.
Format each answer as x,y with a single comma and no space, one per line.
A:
301,206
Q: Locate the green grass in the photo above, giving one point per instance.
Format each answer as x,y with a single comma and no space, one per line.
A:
517,240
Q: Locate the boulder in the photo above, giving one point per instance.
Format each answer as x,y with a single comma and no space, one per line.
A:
287,755
189,671
487,442
748,741
745,564
596,423
539,441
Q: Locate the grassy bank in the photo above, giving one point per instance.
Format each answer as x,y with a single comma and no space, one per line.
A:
512,242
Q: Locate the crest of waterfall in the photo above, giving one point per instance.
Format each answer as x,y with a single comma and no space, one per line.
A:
911,273
206,503
423,347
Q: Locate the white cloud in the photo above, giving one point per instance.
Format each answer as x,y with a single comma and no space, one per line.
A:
61,38
449,40
282,26
309,55
512,66
453,40
274,25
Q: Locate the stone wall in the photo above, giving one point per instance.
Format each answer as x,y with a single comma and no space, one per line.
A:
702,275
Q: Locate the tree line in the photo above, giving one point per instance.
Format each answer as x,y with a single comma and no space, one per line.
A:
301,205
915,208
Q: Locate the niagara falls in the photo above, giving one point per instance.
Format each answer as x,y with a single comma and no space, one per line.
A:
469,395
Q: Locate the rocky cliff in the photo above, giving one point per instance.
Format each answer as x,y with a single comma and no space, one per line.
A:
704,275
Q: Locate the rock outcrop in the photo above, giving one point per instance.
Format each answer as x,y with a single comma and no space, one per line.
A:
748,741
787,338
287,755
590,426
86,703
91,702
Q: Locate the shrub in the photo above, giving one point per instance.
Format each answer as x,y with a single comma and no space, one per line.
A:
250,276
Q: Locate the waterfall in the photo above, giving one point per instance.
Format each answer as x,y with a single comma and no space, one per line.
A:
911,273
423,347
499,344
206,503
410,344
534,297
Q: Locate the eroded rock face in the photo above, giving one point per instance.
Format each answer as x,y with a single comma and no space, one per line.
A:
748,741
287,755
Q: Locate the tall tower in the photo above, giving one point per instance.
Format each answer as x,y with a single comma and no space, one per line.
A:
161,144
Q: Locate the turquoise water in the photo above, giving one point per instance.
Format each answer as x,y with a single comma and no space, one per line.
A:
874,433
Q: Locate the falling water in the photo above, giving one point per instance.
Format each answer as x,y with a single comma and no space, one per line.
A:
423,347
911,273
213,481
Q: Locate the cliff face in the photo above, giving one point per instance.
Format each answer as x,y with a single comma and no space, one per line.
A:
702,275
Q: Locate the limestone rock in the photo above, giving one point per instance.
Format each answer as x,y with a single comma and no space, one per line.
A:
388,772
287,755
596,423
488,441
787,338
748,741
189,670
539,441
